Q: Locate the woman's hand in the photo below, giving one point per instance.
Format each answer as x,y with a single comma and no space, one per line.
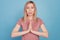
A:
30,29
30,26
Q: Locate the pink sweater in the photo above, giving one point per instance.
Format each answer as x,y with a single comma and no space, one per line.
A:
35,27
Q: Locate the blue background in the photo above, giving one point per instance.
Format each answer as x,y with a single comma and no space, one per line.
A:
12,10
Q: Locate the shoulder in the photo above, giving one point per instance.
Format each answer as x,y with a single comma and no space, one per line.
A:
40,21
21,18
19,21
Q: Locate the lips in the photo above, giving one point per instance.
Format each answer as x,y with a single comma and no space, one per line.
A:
29,13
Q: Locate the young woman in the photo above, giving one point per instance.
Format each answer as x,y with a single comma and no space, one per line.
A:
30,24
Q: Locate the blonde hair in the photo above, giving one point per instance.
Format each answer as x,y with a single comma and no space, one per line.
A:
25,14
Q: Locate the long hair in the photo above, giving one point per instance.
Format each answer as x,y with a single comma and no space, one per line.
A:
25,14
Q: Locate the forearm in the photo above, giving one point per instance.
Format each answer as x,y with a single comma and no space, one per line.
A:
44,34
14,34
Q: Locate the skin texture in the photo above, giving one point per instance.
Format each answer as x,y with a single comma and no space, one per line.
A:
30,11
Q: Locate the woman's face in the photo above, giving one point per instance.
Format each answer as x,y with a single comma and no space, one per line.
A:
30,9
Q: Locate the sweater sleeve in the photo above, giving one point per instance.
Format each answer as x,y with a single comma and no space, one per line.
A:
19,21
41,21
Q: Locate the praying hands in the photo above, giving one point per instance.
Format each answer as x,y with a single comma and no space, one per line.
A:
44,33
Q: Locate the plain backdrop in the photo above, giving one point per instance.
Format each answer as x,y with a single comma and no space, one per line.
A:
12,10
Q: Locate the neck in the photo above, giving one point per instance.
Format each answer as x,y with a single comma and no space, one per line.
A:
30,17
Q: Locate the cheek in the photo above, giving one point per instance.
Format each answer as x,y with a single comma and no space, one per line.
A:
33,10
27,10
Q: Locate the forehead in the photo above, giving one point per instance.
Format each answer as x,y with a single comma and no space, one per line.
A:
30,4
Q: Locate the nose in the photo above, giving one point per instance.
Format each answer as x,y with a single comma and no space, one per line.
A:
29,9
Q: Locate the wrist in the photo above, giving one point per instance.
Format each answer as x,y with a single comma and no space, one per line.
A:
27,31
